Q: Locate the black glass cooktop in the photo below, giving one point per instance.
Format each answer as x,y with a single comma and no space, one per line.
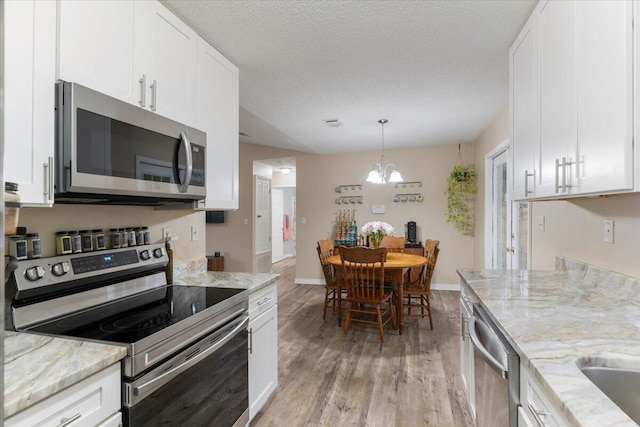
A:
132,319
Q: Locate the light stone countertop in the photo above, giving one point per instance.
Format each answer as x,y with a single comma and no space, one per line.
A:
38,366
224,279
556,318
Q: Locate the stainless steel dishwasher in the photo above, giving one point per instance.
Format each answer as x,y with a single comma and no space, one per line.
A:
497,373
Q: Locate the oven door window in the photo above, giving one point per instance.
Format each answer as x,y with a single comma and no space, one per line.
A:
212,392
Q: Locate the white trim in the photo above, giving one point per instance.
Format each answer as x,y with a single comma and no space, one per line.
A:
488,194
305,281
445,287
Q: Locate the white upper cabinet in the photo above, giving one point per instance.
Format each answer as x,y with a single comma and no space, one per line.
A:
96,47
581,125
170,54
29,98
136,51
218,116
525,106
558,102
605,96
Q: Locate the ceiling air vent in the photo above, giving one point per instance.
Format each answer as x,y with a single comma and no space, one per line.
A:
333,123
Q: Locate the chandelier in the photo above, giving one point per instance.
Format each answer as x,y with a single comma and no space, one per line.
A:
378,174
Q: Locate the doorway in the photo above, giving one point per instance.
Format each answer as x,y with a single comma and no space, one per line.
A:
507,222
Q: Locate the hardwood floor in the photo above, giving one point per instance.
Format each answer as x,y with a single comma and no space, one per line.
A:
326,379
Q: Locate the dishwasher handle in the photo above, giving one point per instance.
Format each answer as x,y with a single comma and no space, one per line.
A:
491,361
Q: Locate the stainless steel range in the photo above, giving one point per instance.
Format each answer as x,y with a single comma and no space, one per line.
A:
187,358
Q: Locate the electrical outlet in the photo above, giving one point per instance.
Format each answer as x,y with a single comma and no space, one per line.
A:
541,223
194,233
166,232
608,230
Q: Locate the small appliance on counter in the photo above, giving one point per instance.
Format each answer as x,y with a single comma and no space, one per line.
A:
412,236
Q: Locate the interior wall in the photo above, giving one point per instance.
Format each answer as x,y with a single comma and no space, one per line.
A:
575,228
234,238
48,221
288,196
319,175
497,132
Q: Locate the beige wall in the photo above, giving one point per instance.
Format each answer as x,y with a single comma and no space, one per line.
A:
47,221
497,132
317,177
234,239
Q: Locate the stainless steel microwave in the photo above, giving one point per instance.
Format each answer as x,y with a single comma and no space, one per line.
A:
108,151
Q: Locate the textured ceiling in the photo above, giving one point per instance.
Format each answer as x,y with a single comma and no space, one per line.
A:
437,70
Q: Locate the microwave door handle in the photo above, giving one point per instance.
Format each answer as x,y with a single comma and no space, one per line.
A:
183,186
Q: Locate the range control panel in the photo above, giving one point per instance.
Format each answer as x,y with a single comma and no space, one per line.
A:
36,273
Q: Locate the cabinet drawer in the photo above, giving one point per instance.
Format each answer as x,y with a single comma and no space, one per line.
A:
263,300
89,402
536,405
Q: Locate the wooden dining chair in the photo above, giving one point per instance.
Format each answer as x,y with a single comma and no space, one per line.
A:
367,298
393,244
333,287
416,293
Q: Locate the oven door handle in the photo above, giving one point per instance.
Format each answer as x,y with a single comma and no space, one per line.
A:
160,380
491,361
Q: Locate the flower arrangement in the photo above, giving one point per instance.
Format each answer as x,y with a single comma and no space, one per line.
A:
461,192
376,230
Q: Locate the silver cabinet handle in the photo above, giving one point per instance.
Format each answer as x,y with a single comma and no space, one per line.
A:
154,93
67,421
264,301
250,340
526,183
566,177
143,90
464,328
536,415
557,176
183,186
48,179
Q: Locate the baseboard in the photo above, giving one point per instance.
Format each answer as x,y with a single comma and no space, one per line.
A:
434,286
445,287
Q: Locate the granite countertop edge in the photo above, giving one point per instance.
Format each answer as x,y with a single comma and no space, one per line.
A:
38,366
560,319
252,282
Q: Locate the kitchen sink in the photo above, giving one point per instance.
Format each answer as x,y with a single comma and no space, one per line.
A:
621,385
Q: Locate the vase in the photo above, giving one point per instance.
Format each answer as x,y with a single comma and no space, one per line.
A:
375,240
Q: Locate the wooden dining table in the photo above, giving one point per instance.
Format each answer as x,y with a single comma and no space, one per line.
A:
395,261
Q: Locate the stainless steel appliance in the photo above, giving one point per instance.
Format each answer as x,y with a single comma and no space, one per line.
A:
497,373
187,346
109,151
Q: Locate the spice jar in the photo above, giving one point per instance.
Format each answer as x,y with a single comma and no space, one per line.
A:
147,235
124,240
63,243
76,242
139,236
18,247
132,236
99,243
34,249
115,238
87,241
12,207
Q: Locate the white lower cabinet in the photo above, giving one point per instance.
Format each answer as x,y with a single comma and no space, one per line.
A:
536,409
263,347
467,371
93,401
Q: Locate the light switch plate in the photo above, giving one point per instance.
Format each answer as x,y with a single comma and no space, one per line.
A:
541,223
194,233
609,225
377,209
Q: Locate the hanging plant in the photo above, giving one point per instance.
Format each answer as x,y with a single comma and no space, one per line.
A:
461,192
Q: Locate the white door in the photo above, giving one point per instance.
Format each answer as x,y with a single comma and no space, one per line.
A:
277,228
262,225
509,220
